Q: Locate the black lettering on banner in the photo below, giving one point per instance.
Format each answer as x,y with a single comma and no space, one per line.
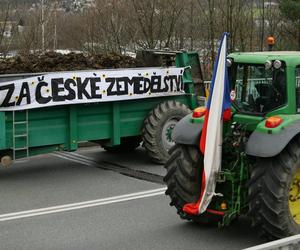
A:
57,87
131,81
127,81
94,88
156,85
181,82
177,81
71,92
24,92
38,93
168,83
147,84
81,88
122,85
11,89
141,85
164,86
111,81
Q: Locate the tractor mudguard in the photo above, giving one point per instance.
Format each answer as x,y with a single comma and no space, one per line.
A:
187,132
270,144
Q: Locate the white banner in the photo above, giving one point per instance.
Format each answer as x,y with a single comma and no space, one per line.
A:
89,87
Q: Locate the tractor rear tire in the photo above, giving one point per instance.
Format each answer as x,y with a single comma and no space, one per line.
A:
274,187
128,144
183,179
158,127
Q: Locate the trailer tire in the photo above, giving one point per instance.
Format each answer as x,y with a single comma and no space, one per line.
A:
274,188
128,144
158,128
183,179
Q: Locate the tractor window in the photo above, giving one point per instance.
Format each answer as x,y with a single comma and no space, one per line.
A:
297,73
257,89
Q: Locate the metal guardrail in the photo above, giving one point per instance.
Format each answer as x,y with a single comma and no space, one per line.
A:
289,243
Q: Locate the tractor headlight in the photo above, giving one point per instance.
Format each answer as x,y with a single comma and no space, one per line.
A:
268,64
228,62
277,64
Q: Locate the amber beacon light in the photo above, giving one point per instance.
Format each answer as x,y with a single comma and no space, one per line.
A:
270,42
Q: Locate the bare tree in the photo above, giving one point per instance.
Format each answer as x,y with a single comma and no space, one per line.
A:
5,15
208,11
122,25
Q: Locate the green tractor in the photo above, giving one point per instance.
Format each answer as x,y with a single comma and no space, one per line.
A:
260,173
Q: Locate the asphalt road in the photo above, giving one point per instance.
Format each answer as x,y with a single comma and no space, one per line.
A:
94,205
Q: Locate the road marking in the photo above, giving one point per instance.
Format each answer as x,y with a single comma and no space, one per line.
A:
80,205
124,170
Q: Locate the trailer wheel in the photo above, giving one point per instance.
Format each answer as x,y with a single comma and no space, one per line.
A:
274,193
128,144
183,179
158,128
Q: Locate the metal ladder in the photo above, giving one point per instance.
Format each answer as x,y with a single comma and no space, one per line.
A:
24,134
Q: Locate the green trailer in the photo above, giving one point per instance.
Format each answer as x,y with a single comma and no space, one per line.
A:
116,125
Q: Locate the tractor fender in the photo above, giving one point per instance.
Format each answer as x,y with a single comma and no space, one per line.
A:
187,132
268,144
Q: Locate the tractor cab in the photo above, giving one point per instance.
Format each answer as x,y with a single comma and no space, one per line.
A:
258,88
264,82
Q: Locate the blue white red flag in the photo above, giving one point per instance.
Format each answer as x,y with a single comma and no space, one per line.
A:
218,110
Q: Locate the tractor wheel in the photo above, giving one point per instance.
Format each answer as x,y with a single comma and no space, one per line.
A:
183,179
128,144
158,127
274,193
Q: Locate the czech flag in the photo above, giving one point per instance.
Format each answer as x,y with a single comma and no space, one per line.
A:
217,111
